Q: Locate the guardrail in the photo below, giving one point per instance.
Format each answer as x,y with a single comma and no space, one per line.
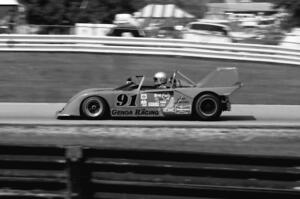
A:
150,46
76,172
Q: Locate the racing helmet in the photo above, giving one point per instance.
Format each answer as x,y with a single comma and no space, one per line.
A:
160,78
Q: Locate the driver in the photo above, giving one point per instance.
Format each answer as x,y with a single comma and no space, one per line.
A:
129,81
160,80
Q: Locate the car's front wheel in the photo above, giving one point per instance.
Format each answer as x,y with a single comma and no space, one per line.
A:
208,107
93,108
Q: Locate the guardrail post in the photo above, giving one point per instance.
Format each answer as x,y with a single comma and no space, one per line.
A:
78,177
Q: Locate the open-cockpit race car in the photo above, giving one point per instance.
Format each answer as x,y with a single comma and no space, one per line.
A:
205,100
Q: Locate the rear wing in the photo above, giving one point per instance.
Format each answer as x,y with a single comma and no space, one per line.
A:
221,77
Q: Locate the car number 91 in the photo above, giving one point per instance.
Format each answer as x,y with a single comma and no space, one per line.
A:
123,100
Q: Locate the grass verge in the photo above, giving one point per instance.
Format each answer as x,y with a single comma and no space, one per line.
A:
55,77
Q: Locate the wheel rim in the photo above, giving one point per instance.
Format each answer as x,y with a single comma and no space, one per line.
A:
208,107
93,107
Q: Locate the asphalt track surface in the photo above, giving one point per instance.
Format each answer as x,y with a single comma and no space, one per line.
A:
252,116
247,129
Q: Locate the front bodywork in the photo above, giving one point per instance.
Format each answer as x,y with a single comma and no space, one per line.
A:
143,101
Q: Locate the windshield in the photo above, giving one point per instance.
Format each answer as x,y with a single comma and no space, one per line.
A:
176,80
131,83
128,87
209,27
179,80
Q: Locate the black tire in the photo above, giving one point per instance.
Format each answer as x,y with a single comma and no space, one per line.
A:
207,107
93,108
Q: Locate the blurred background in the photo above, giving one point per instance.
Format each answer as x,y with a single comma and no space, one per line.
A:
52,49
242,21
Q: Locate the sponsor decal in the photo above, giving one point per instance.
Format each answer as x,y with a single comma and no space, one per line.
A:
183,106
134,112
153,104
143,96
170,106
144,103
169,110
183,109
161,99
183,100
157,95
145,112
162,96
116,112
162,103
166,96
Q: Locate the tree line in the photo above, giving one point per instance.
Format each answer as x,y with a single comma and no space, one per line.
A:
69,12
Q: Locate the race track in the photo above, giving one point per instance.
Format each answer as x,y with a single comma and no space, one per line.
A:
253,116
247,129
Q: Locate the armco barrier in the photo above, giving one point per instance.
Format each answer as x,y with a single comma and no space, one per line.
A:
67,172
172,47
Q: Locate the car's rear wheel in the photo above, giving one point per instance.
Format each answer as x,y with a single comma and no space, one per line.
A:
207,107
93,108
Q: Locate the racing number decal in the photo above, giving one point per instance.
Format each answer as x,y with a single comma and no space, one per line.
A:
133,100
123,99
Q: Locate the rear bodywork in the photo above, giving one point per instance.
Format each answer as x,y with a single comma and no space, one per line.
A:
141,100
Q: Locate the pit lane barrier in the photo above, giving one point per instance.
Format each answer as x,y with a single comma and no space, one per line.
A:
70,172
150,46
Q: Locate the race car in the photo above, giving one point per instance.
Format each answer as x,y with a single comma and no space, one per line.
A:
205,100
